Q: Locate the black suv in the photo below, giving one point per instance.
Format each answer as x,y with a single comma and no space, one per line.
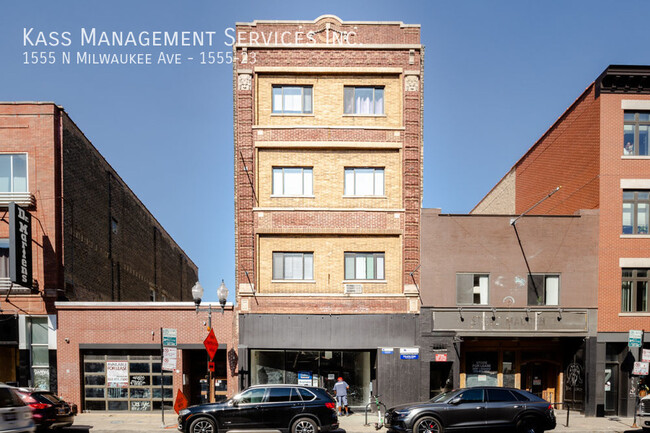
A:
474,408
288,408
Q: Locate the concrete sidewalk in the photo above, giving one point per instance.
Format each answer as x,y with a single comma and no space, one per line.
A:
122,422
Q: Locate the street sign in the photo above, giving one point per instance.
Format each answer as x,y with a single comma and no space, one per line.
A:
635,337
211,366
645,355
211,344
169,337
181,401
169,358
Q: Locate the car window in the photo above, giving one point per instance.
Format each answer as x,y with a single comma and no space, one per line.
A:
295,395
8,398
471,396
495,395
254,395
306,395
276,395
520,396
51,397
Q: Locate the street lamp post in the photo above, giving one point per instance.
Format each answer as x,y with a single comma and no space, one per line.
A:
197,294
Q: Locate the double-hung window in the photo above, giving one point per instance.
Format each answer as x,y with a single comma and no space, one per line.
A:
292,99
363,100
13,172
364,266
636,212
635,132
543,289
364,181
634,291
472,289
293,266
292,181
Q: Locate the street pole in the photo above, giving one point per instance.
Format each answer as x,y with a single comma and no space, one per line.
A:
210,383
162,395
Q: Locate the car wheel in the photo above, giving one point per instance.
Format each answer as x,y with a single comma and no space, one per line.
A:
427,424
304,425
529,425
203,425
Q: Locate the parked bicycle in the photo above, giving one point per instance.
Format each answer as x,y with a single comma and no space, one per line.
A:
381,411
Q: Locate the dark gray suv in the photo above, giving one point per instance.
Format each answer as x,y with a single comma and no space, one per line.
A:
288,408
479,408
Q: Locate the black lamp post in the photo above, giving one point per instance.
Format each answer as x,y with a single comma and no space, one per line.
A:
197,294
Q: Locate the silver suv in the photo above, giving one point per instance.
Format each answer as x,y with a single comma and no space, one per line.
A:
15,415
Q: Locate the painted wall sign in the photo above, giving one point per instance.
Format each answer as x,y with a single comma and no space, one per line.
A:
20,245
409,353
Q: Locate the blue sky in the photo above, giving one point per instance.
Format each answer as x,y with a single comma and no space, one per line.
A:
497,74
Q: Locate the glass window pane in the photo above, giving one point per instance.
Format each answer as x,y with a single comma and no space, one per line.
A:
39,330
643,195
41,378
360,266
40,355
643,140
364,178
349,266
380,267
464,286
139,367
379,101
483,289
95,379
292,99
252,396
278,266
293,181
642,218
379,181
20,173
118,405
277,181
642,273
628,116
308,181
5,173
277,395
117,392
552,290
307,99
628,195
370,268
644,117
628,140
626,296
349,181
628,218
277,99
363,100
94,367
309,266
348,100
95,392
293,266
140,392
641,296
267,366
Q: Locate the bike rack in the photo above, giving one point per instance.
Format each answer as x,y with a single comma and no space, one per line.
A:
366,414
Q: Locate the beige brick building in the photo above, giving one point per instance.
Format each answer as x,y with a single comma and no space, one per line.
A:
328,188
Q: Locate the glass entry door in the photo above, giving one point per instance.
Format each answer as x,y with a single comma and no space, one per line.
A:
611,389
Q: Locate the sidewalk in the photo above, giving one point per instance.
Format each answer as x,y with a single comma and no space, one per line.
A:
122,422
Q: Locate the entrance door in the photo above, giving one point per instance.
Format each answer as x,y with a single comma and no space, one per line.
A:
441,378
611,389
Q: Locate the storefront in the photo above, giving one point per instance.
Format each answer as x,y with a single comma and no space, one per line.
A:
9,348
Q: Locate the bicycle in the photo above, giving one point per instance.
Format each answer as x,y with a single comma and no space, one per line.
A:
378,405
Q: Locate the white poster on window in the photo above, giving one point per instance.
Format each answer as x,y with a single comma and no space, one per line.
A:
117,374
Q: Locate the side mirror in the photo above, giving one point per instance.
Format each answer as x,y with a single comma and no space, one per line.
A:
455,400
234,402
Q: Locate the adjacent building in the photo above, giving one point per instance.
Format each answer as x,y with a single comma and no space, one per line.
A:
328,189
598,152
92,240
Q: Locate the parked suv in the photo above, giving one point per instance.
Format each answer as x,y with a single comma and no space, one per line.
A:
288,408
15,416
477,408
643,414
49,411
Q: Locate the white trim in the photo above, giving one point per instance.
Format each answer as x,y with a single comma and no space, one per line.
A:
630,262
635,183
639,314
152,305
321,17
292,196
22,332
324,209
51,331
335,46
635,236
364,196
331,70
634,157
368,281
635,104
294,281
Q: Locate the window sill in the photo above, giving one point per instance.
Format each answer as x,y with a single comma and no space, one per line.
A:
366,196
634,314
364,281
635,156
294,281
293,115
636,236
364,115
293,196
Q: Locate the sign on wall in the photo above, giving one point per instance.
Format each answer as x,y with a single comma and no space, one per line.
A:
386,350
117,374
645,355
20,245
441,357
409,353
304,378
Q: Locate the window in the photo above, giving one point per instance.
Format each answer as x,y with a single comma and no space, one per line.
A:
277,395
472,396
40,353
543,289
364,181
363,100
635,133
636,206
292,181
364,266
254,395
293,266
634,293
472,289
13,173
496,395
4,258
292,99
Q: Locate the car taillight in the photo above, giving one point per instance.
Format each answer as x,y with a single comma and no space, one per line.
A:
39,406
550,407
330,405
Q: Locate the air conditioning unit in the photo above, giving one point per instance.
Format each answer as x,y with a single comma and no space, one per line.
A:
353,289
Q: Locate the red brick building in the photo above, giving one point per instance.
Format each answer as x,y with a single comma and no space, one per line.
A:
92,238
328,190
598,152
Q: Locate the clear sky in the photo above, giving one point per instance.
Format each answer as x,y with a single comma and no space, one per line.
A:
497,74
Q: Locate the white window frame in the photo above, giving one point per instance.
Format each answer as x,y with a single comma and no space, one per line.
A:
303,97
279,183
480,287
351,175
307,259
11,175
378,265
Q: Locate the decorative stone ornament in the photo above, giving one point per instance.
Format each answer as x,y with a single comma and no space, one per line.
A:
411,83
245,82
